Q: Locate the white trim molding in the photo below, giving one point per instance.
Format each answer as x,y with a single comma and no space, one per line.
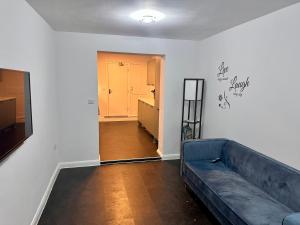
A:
168,156
45,197
75,164
159,153
117,119
61,165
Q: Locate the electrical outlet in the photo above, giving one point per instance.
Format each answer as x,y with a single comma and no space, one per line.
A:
54,147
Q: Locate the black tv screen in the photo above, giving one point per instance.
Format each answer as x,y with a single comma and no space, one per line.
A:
15,110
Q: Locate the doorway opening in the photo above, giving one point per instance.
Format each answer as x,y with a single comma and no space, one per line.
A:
128,100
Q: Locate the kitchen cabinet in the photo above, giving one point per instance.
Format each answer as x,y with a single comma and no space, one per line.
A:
148,116
140,111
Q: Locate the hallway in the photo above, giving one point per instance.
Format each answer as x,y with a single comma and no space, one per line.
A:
125,140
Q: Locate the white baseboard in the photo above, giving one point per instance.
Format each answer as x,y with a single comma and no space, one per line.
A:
117,119
171,156
75,164
45,197
168,156
61,165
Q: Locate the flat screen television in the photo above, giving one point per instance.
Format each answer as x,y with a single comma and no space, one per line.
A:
15,110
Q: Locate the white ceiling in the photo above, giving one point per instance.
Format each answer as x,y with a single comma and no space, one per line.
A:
185,19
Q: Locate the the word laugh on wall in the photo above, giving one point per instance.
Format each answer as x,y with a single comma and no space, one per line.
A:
236,86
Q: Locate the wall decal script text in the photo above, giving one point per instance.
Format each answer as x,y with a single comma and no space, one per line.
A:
224,103
238,87
222,72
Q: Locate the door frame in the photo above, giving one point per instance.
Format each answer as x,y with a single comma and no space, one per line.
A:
161,96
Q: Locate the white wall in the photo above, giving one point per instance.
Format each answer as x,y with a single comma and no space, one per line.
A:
267,116
27,43
77,70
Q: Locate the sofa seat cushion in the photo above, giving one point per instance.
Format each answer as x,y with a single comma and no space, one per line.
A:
293,219
240,201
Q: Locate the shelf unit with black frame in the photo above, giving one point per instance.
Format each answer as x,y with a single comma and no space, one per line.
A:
192,105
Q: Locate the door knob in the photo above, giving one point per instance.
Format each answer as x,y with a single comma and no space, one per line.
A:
109,91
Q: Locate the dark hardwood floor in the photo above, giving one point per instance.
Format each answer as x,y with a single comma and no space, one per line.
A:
148,193
125,140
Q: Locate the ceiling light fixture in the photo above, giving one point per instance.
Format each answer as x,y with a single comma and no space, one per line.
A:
147,16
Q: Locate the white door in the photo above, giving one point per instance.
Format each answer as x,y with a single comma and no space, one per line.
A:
117,89
137,85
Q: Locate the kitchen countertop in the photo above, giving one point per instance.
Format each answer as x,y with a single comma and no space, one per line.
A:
149,101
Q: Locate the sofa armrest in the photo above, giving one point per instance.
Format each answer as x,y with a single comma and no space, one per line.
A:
195,150
293,219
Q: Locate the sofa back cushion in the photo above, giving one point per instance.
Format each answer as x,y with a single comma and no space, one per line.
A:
275,178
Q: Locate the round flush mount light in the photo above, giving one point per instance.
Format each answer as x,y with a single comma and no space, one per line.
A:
147,16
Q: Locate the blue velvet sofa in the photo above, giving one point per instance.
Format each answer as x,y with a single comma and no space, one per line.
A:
239,185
